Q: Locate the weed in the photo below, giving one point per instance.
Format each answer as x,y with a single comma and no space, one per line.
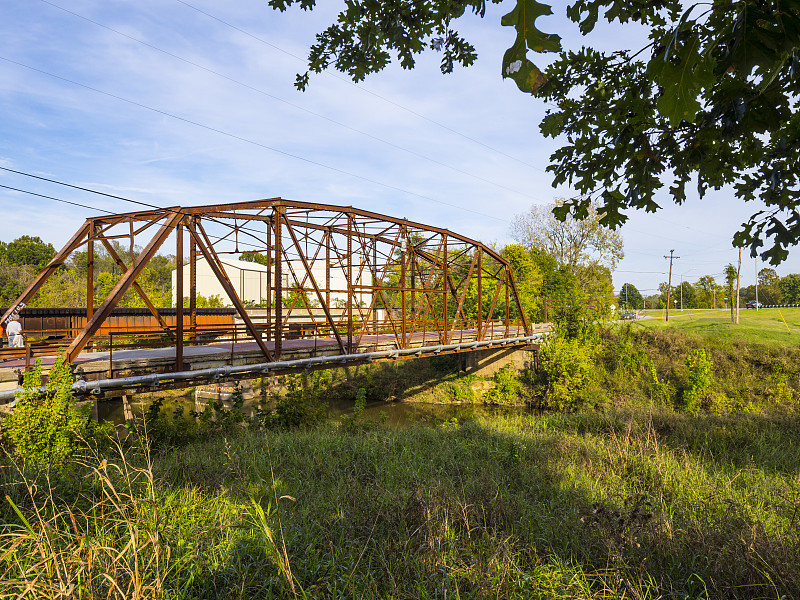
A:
700,381
568,368
46,427
507,390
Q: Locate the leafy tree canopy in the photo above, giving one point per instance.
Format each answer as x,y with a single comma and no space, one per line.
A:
790,288
630,297
255,257
711,101
572,242
27,250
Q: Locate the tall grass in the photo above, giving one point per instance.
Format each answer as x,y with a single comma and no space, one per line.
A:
633,503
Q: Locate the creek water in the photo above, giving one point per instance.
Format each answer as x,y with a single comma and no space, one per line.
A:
399,414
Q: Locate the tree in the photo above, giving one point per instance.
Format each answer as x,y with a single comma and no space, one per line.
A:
255,257
790,288
731,275
708,292
769,291
686,296
630,297
27,251
664,293
528,278
572,242
710,100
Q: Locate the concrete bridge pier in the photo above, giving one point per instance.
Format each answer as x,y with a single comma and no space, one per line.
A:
222,392
488,362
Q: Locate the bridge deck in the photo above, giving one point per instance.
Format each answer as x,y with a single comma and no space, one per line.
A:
125,363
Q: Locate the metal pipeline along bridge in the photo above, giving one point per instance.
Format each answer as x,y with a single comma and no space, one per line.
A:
337,286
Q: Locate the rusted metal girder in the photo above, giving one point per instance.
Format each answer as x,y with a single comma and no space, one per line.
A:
371,275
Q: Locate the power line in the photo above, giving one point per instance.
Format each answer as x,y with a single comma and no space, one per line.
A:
8,187
240,242
292,104
363,89
252,142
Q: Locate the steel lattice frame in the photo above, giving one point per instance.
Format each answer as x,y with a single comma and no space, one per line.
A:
418,280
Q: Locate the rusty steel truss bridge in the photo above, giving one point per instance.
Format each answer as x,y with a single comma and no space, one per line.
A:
338,284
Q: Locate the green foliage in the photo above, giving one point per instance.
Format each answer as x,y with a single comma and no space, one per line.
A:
27,251
709,100
630,297
568,370
790,288
213,301
516,64
507,389
300,406
46,427
255,257
177,428
460,389
661,392
699,381
360,404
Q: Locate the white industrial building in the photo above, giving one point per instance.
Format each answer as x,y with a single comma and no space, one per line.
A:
250,281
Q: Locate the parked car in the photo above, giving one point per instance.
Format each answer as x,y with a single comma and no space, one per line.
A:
754,304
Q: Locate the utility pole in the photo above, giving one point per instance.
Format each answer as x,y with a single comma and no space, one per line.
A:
740,251
669,283
738,284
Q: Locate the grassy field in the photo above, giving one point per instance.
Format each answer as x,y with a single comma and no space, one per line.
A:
765,326
642,503
630,497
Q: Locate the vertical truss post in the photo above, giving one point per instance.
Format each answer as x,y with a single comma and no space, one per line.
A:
374,300
270,268
192,284
278,213
327,238
508,308
444,296
350,289
404,321
412,259
480,291
179,296
90,273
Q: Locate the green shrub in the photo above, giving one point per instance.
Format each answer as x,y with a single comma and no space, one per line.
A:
460,389
661,392
568,370
508,389
361,403
700,381
299,406
46,427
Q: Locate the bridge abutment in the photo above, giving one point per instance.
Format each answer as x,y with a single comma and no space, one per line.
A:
488,362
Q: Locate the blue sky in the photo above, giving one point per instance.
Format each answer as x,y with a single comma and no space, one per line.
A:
177,102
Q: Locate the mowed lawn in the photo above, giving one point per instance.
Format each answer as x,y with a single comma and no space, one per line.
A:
780,326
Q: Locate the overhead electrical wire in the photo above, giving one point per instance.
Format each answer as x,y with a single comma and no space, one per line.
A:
363,89
62,200
8,187
292,104
252,142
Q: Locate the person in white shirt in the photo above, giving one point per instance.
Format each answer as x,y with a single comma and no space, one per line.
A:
14,333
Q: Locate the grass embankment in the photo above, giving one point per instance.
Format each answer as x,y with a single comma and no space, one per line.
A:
624,504
636,500
766,326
